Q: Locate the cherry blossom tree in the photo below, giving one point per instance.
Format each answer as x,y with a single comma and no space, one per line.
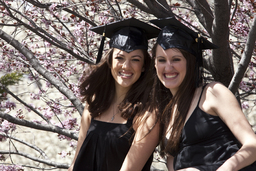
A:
49,45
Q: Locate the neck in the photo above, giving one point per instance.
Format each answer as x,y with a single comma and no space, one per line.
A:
173,91
120,94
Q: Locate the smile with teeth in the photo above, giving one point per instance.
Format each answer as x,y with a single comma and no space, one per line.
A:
170,75
125,74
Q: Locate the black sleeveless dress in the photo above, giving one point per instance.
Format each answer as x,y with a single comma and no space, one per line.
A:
206,143
105,147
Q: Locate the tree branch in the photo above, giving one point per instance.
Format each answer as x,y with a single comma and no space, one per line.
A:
234,12
246,58
140,6
159,8
116,14
47,162
119,9
220,67
25,104
203,13
36,65
47,5
46,36
34,125
25,143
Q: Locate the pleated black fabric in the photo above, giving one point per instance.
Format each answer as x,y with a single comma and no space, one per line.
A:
206,143
105,147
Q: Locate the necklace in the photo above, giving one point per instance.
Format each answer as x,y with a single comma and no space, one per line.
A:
113,117
114,113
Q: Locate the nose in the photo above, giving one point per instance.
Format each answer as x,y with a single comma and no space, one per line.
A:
126,64
168,66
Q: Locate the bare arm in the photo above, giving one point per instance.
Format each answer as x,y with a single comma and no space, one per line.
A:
143,145
85,123
170,163
225,105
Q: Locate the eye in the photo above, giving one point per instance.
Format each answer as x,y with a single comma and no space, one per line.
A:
161,60
118,57
136,59
176,59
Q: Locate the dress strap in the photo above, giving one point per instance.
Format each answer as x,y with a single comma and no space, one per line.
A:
201,94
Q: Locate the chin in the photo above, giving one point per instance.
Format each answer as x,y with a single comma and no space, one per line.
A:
171,86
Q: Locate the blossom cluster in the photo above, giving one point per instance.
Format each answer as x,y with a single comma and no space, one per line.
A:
11,168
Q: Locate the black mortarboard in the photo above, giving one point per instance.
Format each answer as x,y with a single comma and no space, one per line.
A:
127,35
174,34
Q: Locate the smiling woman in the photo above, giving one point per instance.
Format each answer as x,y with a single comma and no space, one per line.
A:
170,66
127,67
203,126
119,130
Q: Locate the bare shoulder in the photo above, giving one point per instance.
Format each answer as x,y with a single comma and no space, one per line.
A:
215,97
213,91
86,116
216,89
219,98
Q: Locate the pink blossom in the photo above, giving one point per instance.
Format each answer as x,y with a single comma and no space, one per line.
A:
11,168
53,7
6,126
69,123
245,105
65,4
73,144
56,108
251,75
63,137
244,86
48,113
47,44
47,23
34,96
19,114
63,154
10,105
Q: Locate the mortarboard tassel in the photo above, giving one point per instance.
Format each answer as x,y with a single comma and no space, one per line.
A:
198,60
101,46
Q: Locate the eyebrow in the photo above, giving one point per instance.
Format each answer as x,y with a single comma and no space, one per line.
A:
159,57
171,57
136,56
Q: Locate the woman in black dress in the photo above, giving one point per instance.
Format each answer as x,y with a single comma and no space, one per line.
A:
204,127
118,132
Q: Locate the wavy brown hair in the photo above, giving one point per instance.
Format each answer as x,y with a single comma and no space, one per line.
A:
98,89
165,102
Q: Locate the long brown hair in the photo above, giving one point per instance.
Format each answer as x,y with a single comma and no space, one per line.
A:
98,89
166,103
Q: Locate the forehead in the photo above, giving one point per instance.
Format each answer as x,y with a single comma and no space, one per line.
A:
160,50
137,52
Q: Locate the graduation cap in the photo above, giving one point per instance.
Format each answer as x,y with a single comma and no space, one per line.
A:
174,34
127,35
